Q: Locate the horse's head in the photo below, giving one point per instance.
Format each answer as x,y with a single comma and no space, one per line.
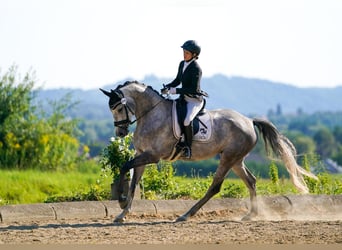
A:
120,110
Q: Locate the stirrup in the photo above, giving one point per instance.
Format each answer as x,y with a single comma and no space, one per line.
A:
187,152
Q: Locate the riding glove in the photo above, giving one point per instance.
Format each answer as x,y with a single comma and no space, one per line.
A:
173,91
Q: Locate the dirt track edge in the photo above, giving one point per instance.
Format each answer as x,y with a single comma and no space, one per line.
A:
103,209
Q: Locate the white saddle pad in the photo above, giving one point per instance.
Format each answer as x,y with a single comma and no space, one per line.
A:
204,132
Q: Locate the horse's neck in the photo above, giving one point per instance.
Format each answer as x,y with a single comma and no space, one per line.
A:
145,101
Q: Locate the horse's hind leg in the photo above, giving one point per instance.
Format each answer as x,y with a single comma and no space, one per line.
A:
249,179
214,188
138,171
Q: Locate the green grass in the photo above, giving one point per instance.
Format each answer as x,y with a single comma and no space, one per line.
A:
195,188
32,186
90,183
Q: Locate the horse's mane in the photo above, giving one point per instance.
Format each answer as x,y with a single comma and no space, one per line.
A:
139,83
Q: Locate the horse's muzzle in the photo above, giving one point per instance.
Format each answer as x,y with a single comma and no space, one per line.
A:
121,132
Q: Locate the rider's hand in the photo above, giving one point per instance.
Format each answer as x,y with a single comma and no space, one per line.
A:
173,91
164,91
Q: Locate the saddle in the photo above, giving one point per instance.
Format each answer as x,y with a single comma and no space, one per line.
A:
202,127
202,124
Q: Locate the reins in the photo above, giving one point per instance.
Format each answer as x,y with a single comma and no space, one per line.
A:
155,105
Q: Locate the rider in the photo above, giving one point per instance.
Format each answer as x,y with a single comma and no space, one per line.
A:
189,75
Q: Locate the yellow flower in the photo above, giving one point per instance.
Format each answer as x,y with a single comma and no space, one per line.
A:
44,139
86,149
9,136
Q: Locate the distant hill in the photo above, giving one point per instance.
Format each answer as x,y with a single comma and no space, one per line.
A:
246,95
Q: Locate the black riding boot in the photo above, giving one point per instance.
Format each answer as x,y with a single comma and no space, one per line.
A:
188,133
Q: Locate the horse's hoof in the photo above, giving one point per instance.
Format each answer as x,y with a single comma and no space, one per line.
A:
119,220
248,217
181,218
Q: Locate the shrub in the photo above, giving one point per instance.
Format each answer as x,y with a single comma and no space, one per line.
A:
274,173
95,193
158,181
234,190
116,154
29,138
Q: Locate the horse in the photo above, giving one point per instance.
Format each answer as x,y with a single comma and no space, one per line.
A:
233,137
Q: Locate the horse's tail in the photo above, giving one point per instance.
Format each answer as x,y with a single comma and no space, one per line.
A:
283,148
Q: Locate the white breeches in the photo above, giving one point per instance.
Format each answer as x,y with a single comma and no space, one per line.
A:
193,105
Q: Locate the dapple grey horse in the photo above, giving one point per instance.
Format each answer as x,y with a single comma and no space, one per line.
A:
233,137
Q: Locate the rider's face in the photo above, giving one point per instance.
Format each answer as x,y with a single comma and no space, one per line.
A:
187,55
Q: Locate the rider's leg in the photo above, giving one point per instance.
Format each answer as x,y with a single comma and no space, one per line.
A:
193,105
188,133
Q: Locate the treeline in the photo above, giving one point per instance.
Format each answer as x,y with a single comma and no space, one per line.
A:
318,133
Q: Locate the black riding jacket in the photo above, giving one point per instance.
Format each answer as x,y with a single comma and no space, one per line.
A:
190,80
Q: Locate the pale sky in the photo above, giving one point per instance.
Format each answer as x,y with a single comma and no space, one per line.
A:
90,43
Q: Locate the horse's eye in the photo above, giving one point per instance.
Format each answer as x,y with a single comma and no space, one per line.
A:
120,110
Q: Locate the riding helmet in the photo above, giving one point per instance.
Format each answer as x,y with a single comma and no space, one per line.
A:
192,46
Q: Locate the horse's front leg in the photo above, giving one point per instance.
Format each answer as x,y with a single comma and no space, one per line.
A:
135,181
139,161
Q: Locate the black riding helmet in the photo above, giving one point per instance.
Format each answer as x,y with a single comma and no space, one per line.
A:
192,46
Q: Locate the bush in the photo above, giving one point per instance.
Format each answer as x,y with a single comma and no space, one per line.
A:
95,193
234,190
274,173
116,154
326,184
158,181
29,138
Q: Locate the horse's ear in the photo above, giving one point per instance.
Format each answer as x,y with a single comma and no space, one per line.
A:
106,92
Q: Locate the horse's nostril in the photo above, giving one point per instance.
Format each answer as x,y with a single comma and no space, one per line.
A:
121,134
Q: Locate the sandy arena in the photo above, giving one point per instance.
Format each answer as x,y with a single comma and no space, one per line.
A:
277,224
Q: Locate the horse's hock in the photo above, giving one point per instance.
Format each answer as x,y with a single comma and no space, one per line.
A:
293,207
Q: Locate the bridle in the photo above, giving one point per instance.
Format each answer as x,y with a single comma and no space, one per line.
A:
122,101
124,124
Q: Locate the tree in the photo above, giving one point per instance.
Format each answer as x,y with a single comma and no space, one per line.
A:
14,96
29,138
338,138
279,111
337,132
325,142
303,144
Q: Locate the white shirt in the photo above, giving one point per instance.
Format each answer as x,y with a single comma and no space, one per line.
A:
186,64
